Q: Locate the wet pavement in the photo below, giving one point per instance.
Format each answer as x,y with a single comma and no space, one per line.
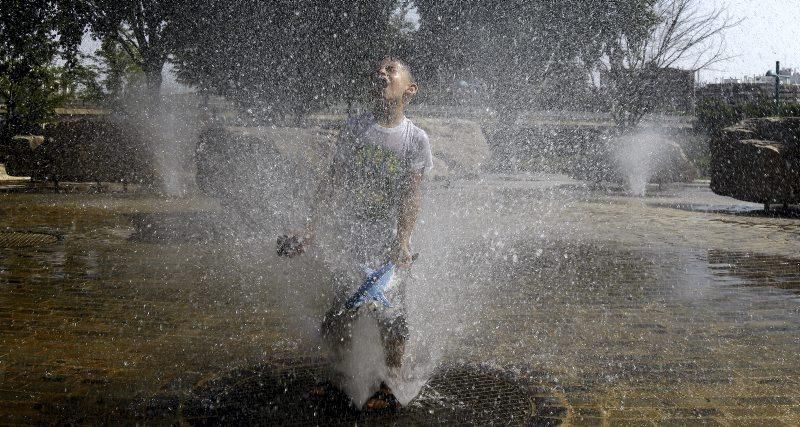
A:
681,307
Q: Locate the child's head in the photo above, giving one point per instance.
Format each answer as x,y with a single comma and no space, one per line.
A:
393,82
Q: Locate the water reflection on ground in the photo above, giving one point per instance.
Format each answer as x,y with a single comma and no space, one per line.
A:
614,307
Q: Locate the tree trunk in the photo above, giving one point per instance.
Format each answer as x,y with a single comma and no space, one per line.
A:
7,130
153,79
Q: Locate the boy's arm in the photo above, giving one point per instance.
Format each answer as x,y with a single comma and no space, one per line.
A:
409,210
297,241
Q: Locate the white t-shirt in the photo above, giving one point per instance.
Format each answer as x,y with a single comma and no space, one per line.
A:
376,164
405,139
373,165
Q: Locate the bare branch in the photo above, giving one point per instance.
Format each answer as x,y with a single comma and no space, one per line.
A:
683,34
688,34
128,44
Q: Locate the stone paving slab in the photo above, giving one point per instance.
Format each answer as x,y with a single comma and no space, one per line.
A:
625,310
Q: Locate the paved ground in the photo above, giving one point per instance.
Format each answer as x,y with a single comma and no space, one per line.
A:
678,308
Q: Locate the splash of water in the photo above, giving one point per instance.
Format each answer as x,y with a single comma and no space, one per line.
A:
461,235
173,132
638,156
169,128
363,362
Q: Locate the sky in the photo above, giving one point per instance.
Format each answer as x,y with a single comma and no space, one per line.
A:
769,32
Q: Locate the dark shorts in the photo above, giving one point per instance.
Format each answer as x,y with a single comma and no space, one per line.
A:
337,329
337,325
338,322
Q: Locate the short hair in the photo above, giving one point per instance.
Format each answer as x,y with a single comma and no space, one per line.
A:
401,62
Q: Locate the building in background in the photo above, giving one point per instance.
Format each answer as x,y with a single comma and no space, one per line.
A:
754,88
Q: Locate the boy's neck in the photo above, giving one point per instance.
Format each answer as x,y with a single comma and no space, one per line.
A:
389,115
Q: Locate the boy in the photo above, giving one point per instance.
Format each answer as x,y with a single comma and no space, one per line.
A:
373,191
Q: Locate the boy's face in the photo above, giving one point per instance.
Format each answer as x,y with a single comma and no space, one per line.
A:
392,81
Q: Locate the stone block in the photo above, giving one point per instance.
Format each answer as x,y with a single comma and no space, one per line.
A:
459,146
758,160
237,162
107,149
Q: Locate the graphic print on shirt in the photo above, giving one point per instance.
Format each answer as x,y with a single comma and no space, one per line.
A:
377,178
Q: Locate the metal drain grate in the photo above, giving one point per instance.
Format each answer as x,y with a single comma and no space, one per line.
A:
19,239
455,395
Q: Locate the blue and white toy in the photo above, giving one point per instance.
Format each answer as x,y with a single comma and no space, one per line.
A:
373,288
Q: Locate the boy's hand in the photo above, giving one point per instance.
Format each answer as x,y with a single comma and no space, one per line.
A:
401,255
289,246
293,244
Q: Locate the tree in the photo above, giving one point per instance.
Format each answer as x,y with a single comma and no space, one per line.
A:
676,32
532,54
80,83
144,29
34,35
281,59
528,53
120,72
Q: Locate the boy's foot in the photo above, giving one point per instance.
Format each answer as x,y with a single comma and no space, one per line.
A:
319,391
382,400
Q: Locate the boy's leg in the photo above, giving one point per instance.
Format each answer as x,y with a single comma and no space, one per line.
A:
394,334
393,324
336,327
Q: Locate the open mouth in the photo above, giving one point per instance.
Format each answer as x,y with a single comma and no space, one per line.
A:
380,82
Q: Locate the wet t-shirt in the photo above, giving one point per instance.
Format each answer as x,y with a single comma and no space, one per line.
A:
373,167
375,164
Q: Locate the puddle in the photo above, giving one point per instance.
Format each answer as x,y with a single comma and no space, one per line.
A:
740,210
166,228
757,270
663,320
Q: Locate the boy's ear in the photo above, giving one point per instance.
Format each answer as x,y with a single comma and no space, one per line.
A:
411,90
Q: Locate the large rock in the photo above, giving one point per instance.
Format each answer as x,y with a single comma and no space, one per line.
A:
590,150
104,149
553,146
267,175
232,160
459,146
758,160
